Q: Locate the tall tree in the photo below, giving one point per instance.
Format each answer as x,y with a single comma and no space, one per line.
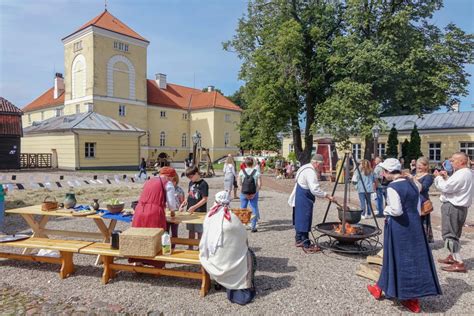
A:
285,47
414,150
405,151
392,143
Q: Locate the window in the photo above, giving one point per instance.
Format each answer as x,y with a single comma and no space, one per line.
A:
121,110
29,118
78,108
42,115
185,116
227,117
163,114
184,139
291,148
226,139
381,149
59,112
90,107
121,46
467,148
356,151
435,151
90,150
162,139
77,46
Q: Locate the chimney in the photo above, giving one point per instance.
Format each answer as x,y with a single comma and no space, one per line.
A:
455,107
58,85
160,80
210,88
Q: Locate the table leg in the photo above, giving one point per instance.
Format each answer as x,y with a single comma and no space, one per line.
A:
36,226
106,232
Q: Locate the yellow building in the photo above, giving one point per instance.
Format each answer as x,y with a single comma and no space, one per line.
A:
105,65
442,134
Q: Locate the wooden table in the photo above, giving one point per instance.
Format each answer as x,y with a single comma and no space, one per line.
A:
186,218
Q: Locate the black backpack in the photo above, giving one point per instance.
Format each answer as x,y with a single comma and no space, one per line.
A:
248,185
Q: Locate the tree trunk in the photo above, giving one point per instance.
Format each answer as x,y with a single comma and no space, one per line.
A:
369,148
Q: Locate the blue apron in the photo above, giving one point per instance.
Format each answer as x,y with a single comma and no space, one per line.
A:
304,201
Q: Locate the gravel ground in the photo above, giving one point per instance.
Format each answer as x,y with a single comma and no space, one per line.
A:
288,280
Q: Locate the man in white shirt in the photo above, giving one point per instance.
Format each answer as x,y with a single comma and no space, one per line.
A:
456,196
302,199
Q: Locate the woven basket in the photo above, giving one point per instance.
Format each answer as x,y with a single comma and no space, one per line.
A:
243,214
49,205
116,208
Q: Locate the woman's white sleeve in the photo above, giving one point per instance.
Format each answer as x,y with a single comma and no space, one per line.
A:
170,196
394,205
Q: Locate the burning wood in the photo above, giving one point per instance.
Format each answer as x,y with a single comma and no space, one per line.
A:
349,230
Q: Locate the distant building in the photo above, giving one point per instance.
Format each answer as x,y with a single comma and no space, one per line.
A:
441,135
105,65
10,135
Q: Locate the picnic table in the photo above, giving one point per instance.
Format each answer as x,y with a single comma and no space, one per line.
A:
38,225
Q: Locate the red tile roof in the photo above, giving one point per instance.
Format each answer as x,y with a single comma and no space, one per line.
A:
8,108
107,21
46,100
174,96
180,97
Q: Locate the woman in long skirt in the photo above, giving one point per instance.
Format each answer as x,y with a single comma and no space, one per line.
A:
230,176
408,271
424,177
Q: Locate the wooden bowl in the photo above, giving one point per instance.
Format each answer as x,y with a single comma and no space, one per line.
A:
117,208
243,214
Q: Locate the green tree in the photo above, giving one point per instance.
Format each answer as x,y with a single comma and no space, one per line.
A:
392,143
414,150
405,151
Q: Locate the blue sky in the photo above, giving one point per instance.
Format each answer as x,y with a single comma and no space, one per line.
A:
185,40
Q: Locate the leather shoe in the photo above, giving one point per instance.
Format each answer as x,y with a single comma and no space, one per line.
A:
455,267
375,290
299,244
413,305
311,249
448,260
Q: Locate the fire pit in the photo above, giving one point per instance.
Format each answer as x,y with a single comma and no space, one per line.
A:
348,236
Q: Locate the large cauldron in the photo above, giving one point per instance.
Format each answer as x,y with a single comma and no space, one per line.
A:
352,216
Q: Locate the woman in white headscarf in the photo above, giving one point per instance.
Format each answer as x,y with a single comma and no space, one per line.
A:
224,252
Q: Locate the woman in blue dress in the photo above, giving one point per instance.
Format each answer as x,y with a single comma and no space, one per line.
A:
408,271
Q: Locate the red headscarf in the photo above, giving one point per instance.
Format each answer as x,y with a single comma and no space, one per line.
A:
168,172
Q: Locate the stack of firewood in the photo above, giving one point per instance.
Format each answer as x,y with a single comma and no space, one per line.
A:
371,269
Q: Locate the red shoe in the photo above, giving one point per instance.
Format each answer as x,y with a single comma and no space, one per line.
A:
413,305
448,260
375,291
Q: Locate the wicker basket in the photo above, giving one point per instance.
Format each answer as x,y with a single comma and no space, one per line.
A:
116,208
243,214
49,205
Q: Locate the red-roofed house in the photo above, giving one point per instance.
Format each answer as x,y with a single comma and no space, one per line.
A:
105,72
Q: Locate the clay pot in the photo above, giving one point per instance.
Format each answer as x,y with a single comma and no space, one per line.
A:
70,200
95,204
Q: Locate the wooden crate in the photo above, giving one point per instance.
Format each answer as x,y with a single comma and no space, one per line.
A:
140,242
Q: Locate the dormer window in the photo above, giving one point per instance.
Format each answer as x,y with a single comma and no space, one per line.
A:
162,114
77,46
121,46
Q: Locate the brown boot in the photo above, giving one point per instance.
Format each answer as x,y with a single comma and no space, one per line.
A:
455,267
448,260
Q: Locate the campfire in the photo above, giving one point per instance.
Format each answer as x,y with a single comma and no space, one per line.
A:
349,230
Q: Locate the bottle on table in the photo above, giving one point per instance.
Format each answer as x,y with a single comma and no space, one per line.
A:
166,244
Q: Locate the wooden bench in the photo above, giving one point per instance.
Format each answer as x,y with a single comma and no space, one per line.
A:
66,250
179,256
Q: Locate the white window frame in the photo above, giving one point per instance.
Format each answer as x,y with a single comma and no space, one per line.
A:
434,151
29,118
381,149
291,148
90,107
226,139
184,140
78,108
162,114
122,110
357,151
121,46
467,148
77,46
227,117
90,150
162,139
59,112
42,115
185,116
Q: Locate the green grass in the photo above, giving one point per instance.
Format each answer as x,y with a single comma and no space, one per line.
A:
218,166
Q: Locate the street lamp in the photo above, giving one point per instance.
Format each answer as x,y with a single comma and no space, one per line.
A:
375,136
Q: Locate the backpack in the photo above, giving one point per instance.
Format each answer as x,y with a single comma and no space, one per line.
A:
248,185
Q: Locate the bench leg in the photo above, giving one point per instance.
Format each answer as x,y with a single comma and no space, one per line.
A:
206,283
108,272
67,265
